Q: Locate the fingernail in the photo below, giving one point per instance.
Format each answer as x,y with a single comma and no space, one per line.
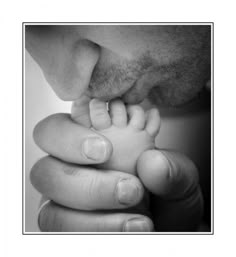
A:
137,225
127,191
95,149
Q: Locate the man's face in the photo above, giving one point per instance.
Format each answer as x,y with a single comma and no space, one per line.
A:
169,64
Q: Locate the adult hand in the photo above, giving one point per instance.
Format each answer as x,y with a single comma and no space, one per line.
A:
82,190
82,196
87,199
172,179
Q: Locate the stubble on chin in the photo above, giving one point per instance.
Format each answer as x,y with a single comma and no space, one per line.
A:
171,84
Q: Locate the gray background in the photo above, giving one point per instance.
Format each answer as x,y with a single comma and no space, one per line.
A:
40,101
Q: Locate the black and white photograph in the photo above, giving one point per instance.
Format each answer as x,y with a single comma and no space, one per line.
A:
118,128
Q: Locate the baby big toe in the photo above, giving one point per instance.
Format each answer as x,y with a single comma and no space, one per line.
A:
80,111
137,116
100,118
153,122
118,113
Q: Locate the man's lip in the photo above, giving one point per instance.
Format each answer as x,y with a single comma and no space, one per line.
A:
129,96
133,97
132,92
139,91
123,93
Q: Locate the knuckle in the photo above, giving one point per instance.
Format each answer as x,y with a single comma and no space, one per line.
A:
72,170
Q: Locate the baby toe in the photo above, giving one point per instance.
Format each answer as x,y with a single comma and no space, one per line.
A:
99,115
118,113
137,116
80,111
153,122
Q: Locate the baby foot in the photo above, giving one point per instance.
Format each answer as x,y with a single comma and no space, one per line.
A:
130,130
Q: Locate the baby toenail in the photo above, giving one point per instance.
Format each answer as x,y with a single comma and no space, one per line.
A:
95,148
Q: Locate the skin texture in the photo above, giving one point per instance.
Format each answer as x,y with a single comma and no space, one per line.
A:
130,131
173,62
168,64
167,174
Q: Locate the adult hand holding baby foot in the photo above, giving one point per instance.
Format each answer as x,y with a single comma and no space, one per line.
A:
87,190
167,64
167,174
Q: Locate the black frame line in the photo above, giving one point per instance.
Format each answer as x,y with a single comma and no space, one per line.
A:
212,129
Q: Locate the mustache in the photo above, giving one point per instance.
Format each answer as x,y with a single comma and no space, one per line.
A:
172,84
132,80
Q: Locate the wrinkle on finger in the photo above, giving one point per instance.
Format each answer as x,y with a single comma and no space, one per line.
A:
167,174
82,187
56,218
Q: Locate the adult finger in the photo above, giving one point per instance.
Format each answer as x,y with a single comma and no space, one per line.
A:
167,173
60,136
56,218
173,180
85,188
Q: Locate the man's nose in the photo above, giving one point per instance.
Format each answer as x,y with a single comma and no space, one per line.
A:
78,69
71,68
